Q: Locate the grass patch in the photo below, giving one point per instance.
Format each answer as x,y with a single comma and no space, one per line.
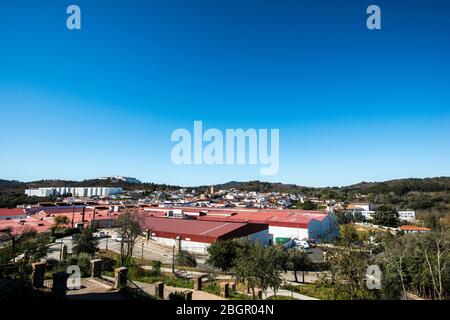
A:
213,287
168,280
280,298
315,290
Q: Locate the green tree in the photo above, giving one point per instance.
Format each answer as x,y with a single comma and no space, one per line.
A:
259,266
298,260
348,235
16,237
59,221
386,216
222,254
129,224
86,242
186,259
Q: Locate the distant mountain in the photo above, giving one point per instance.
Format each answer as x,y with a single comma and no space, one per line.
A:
17,186
425,195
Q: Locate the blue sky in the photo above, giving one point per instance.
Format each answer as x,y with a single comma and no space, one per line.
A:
351,104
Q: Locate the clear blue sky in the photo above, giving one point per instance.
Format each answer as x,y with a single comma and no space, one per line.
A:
351,104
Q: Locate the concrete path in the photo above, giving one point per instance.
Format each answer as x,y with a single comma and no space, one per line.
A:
92,289
196,295
288,293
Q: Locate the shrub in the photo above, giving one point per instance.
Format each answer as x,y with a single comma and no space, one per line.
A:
84,262
176,296
186,259
108,264
52,263
137,272
156,267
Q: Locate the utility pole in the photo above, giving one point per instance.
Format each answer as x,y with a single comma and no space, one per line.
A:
142,250
61,250
173,259
73,216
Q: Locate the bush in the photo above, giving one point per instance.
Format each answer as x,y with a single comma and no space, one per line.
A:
212,287
52,264
82,260
186,259
156,267
176,296
108,264
65,232
137,272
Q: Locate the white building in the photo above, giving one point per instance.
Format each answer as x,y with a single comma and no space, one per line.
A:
121,178
407,215
76,192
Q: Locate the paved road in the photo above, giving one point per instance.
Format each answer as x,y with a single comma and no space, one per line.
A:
152,250
92,289
147,249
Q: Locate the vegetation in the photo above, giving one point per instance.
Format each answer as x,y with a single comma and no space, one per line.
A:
176,296
317,290
82,260
386,216
259,266
222,254
186,259
298,260
86,242
213,287
430,195
129,230
418,263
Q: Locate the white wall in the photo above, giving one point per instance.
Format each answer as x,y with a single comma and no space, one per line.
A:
201,247
407,215
191,246
286,232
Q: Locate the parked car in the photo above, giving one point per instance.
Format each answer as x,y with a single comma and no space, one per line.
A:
120,239
100,234
301,244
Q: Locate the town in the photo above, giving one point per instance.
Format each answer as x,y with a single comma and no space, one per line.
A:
196,243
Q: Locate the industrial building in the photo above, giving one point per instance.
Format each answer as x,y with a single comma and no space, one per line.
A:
74,191
197,236
15,213
295,224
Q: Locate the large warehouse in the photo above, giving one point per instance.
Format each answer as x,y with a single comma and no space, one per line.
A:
299,224
197,236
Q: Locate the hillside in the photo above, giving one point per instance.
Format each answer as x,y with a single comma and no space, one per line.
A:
429,195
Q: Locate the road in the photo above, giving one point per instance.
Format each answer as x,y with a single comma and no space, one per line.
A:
148,249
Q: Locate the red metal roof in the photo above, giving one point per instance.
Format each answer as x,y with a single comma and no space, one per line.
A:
11,212
282,218
413,228
200,231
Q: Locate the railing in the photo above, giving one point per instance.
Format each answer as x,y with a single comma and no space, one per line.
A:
138,291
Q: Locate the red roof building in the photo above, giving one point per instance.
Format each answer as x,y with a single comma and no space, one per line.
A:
200,231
